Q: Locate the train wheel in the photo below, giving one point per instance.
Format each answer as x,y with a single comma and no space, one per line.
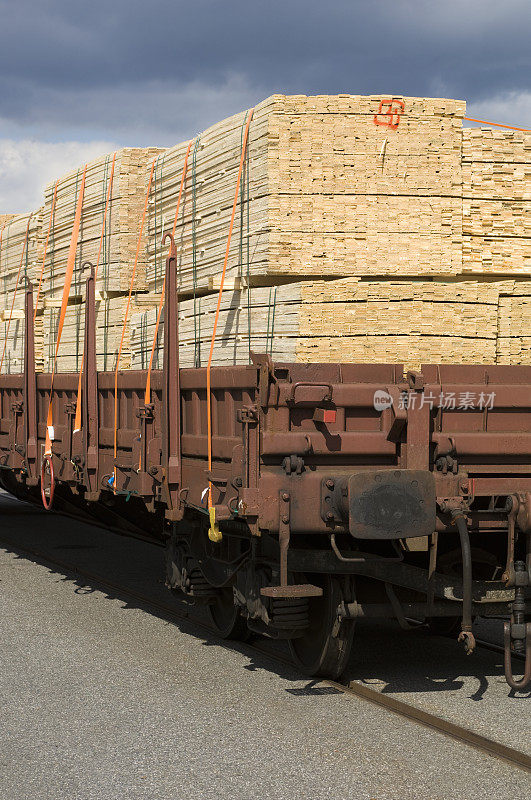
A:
325,647
225,617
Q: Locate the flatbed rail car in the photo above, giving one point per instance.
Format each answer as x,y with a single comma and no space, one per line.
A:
338,491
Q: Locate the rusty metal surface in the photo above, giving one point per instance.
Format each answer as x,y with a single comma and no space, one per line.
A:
293,590
30,397
88,437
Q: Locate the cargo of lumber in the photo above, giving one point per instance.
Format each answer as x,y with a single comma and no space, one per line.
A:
19,259
13,353
496,202
326,192
514,324
368,228
349,320
122,225
110,314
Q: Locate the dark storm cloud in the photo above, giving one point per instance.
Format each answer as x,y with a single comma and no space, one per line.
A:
160,69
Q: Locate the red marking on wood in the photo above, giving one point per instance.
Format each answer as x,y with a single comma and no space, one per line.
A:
389,113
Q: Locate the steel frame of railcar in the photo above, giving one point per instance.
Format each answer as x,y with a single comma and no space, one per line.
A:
324,500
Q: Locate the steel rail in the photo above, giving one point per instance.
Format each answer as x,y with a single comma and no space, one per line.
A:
412,713
497,648
450,729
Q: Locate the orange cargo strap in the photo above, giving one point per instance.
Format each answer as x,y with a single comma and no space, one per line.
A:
52,212
125,323
15,292
497,124
147,396
77,422
214,532
70,264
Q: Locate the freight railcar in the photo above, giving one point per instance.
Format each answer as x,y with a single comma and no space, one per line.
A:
318,493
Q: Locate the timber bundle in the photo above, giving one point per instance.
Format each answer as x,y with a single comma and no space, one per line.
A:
365,229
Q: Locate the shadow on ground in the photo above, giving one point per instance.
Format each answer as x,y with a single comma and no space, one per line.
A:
383,656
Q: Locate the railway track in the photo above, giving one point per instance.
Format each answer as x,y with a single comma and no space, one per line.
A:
412,713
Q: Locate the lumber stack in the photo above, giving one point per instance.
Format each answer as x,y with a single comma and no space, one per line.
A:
13,354
19,260
110,313
496,202
347,320
122,227
116,248
326,192
366,228
514,323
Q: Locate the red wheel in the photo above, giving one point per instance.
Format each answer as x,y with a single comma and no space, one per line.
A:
47,492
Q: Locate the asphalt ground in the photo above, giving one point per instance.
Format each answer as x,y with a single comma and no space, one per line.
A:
102,698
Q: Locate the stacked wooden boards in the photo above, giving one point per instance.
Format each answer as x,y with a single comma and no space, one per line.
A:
326,192
367,228
329,189
514,324
20,261
496,202
110,314
20,254
114,237
117,249
349,320
121,231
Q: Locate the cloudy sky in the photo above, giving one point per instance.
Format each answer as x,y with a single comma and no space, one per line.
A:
78,79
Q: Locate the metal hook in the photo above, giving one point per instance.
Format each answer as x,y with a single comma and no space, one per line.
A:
173,251
85,265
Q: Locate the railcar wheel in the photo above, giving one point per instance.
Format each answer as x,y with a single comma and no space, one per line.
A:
325,647
225,617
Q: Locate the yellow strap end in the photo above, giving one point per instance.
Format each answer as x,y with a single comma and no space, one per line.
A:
214,533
